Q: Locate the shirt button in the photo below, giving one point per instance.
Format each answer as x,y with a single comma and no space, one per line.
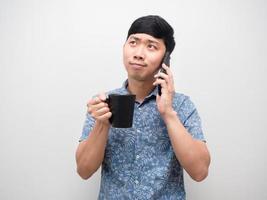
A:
136,182
137,157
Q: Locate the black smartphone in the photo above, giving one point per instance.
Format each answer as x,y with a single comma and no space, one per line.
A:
166,61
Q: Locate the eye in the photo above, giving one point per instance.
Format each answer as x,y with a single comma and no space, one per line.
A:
132,42
152,47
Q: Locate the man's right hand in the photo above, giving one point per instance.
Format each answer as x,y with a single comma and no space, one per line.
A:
98,109
90,152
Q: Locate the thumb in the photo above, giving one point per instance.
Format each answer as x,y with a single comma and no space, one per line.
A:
102,96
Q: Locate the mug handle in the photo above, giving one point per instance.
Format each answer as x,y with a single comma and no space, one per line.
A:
108,102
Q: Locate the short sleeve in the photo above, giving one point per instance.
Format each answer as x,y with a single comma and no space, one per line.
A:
87,127
191,119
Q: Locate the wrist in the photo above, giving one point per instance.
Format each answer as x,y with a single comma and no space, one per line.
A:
169,116
102,124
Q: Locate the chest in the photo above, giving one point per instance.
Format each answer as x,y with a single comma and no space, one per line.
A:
148,133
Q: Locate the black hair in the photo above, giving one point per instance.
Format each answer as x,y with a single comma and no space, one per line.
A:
155,26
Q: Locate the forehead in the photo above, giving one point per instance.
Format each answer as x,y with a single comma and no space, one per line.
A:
146,38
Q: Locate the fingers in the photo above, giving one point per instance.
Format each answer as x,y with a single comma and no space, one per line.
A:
97,100
163,83
105,116
98,108
102,97
101,111
161,75
165,80
94,101
169,77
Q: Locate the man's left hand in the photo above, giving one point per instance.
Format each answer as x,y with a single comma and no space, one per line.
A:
164,102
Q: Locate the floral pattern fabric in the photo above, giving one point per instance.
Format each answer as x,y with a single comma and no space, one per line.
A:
139,162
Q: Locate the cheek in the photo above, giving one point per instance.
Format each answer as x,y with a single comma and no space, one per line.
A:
126,53
125,57
156,60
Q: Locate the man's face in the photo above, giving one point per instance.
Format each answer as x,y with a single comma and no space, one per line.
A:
142,55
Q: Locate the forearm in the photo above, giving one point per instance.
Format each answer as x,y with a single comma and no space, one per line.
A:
90,153
192,154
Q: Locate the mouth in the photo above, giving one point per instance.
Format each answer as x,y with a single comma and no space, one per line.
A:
137,65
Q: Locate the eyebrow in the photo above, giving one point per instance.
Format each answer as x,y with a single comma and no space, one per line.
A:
138,39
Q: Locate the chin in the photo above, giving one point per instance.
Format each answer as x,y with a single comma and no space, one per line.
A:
136,77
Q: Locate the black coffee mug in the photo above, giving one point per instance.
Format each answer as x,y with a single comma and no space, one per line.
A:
122,109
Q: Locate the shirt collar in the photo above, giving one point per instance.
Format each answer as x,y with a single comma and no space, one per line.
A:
153,93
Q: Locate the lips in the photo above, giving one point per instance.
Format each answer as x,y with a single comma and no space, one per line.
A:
137,65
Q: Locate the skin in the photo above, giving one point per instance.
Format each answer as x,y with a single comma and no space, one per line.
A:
142,55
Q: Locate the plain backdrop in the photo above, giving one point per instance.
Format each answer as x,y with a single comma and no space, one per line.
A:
56,54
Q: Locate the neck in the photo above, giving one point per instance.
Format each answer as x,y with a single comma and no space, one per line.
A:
140,88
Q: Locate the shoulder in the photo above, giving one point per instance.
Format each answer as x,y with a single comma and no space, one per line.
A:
120,90
183,103
113,91
179,99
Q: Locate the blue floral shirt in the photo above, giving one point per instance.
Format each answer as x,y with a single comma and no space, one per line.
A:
139,162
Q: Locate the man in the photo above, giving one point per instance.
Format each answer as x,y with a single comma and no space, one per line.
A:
147,160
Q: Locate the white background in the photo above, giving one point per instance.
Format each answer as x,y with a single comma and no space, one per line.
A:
56,54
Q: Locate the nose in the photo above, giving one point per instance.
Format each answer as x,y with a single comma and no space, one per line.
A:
139,53
138,57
